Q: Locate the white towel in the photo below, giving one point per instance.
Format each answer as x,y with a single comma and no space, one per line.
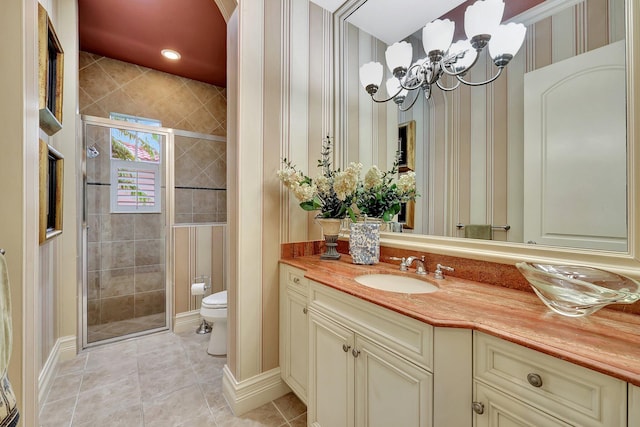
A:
9,415
5,318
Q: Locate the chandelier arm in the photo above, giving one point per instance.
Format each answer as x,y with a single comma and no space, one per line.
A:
380,101
481,83
448,89
446,64
415,98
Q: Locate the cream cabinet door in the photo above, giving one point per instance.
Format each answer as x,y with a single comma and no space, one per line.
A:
390,391
295,345
331,373
294,330
495,409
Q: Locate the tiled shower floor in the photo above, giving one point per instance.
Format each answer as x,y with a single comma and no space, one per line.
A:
125,327
162,380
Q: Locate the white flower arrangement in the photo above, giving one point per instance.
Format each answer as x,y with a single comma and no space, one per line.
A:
333,192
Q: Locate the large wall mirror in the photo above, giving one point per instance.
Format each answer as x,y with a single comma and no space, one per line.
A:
483,157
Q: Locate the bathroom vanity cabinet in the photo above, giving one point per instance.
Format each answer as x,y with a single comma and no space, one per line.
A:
366,365
294,348
517,386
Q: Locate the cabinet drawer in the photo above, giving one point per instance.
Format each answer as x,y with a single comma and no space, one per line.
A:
572,393
407,337
498,410
293,278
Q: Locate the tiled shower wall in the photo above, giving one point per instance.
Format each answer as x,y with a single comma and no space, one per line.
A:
200,180
126,258
126,251
108,85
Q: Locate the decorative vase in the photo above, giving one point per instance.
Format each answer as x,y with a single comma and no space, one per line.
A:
373,220
364,242
331,230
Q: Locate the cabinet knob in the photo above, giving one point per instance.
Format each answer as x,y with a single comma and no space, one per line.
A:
355,352
535,380
304,310
296,280
478,407
345,347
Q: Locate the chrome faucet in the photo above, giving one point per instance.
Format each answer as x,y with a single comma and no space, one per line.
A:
438,274
419,264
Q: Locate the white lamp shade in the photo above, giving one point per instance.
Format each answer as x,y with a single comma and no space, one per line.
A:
483,17
469,54
371,74
507,39
437,35
393,86
398,54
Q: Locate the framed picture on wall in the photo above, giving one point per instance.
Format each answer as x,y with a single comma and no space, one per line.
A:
407,146
50,74
51,176
407,214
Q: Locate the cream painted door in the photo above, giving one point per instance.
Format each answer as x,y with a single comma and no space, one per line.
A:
295,366
331,373
390,391
575,152
495,409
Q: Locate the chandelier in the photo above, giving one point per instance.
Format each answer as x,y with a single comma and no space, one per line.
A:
482,27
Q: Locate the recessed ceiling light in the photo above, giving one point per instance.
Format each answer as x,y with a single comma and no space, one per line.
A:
170,54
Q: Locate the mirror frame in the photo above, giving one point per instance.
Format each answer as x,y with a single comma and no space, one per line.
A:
504,252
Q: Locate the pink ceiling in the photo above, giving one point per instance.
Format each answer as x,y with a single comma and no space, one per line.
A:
136,31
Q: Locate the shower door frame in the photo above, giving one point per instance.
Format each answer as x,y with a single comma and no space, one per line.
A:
168,157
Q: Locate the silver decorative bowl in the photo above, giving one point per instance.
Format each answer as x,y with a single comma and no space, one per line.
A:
578,291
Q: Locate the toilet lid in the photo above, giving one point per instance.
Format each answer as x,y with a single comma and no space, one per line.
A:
217,300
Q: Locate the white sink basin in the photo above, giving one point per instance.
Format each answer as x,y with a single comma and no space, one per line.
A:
394,283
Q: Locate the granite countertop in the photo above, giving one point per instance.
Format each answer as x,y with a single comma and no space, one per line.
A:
607,341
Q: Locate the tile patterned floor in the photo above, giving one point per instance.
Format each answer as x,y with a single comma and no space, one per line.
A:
163,380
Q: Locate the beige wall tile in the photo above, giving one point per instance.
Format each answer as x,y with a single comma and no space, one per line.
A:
149,226
93,313
117,227
93,285
94,256
95,82
116,308
117,254
149,278
147,303
149,252
117,282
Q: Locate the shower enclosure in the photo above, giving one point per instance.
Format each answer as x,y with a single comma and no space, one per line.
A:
126,215
132,169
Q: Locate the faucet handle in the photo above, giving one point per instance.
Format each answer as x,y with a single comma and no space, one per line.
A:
403,262
438,274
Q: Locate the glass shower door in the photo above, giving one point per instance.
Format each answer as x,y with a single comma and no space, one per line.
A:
125,289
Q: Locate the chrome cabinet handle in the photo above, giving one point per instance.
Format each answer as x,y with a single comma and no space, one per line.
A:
355,352
478,407
345,347
296,280
304,310
535,380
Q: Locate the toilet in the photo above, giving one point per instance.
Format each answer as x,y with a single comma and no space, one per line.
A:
214,310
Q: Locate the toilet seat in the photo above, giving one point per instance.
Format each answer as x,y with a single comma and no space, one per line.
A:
217,300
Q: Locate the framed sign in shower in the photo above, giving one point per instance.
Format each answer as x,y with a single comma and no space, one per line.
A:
50,74
51,176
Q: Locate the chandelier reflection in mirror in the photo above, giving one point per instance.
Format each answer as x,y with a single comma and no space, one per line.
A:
482,27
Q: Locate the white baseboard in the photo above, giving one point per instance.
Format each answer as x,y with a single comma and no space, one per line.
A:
254,392
65,348
187,321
